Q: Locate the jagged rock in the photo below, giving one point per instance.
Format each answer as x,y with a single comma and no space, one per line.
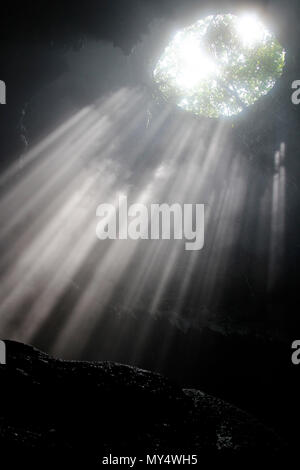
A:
69,411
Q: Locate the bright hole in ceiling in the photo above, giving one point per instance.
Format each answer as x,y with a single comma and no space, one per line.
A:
220,65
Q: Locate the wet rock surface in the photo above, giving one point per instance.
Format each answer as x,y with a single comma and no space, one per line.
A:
63,410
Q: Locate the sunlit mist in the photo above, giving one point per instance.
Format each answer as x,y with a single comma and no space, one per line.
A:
57,276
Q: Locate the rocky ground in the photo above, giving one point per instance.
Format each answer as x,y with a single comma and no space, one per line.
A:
65,411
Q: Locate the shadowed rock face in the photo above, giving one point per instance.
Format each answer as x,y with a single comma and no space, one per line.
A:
79,411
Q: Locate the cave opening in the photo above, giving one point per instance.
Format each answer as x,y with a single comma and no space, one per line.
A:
220,65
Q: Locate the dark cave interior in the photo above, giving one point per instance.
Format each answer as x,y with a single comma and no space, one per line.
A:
232,331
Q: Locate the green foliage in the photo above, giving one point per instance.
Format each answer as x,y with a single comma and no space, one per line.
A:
220,65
